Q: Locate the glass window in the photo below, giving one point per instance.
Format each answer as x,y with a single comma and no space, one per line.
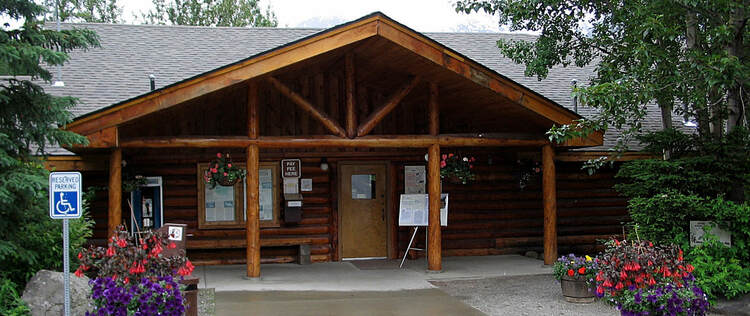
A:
363,186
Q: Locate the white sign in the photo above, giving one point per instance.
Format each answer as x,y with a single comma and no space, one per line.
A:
175,233
697,232
65,195
414,180
291,185
306,185
413,210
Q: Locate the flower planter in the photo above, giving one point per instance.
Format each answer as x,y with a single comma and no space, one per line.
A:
576,290
226,182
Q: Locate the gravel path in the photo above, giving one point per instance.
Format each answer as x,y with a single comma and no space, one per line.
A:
520,295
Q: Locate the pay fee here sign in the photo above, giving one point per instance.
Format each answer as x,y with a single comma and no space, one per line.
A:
65,195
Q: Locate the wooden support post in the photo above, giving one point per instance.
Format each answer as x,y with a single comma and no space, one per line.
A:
434,244
305,105
434,110
351,115
114,218
378,115
549,189
252,110
252,224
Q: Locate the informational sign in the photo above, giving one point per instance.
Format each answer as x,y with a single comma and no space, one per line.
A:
291,168
414,210
175,233
306,185
697,232
265,183
219,203
414,180
291,185
65,195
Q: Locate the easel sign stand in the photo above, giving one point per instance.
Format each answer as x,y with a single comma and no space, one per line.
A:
413,211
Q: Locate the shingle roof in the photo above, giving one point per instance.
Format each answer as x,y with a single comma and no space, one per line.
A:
119,69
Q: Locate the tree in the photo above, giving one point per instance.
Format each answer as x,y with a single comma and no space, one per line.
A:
689,53
210,13
98,11
30,121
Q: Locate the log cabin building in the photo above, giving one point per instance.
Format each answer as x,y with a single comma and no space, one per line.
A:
356,104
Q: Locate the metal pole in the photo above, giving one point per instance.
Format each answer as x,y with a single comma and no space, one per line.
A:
66,266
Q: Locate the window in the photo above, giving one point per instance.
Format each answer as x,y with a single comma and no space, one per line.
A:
363,186
225,206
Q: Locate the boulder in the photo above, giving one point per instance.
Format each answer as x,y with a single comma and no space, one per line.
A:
45,294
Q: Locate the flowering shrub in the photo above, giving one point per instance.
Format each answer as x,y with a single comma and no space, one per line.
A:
576,267
457,167
630,270
149,296
132,274
528,171
222,171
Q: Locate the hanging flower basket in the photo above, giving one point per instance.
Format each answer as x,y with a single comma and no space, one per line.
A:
457,168
221,171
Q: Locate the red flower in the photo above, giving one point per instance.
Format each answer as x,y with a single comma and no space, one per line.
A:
571,272
225,174
110,252
450,155
619,286
599,289
623,275
122,243
79,273
172,245
581,270
218,155
80,255
651,281
679,255
442,164
229,165
126,281
444,156
690,268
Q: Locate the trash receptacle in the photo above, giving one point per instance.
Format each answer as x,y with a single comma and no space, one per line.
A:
190,295
176,234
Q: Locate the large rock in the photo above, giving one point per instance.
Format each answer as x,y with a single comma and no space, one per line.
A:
45,294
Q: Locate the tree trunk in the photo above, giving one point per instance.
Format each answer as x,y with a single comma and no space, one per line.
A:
735,115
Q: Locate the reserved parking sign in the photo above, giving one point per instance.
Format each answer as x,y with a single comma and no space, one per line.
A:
65,195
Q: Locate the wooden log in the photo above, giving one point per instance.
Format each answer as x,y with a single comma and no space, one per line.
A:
252,224
351,115
253,130
549,198
434,248
115,191
380,141
305,105
387,107
334,218
434,110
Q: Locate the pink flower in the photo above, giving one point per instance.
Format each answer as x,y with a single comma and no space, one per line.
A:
445,156
229,165
218,155
225,174
442,164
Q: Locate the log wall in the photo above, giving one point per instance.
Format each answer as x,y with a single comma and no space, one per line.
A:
489,216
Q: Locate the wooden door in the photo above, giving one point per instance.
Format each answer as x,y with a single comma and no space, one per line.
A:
363,211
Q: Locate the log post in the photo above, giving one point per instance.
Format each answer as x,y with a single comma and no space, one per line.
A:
114,218
434,250
351,115
252,224
252,110
549,193
434,110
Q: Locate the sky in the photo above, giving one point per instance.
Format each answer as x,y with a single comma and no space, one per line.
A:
421,15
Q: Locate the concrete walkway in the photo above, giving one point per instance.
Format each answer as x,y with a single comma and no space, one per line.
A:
368,276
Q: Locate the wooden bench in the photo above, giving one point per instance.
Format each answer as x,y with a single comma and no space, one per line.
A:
303,242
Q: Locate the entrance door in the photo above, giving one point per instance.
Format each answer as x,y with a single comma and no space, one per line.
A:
363,211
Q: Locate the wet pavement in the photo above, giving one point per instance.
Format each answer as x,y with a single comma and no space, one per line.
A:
404,302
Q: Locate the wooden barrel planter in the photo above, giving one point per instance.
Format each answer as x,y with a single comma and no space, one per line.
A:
224,181
576,290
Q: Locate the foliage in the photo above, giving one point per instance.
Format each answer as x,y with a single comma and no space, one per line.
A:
129,258
29,122
10,302
98,11
458,167
692,53
210,13
632,269
221,171
149,296
718,269
576,267
528,171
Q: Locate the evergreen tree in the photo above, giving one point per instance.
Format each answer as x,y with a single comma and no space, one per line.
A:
30,121
99,11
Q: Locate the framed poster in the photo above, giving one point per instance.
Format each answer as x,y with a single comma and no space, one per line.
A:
414,210
415,179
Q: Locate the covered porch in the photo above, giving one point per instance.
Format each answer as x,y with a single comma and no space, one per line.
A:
365,94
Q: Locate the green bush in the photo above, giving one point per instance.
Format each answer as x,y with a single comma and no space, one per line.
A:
11,303
718,270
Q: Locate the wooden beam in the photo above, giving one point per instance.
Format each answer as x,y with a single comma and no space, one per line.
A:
351,115
434,244
226,76
252,110
252,224
75,163
380,141
114,217
549,199
387,107
434,110
594,139
105,138
305,105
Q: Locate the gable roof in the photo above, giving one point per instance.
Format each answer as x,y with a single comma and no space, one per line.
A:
118,72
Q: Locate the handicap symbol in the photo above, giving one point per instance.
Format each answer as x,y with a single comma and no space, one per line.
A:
63,206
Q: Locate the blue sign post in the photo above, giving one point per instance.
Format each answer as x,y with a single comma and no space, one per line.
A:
65,203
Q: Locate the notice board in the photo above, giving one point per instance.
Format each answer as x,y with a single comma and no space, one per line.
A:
413,210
